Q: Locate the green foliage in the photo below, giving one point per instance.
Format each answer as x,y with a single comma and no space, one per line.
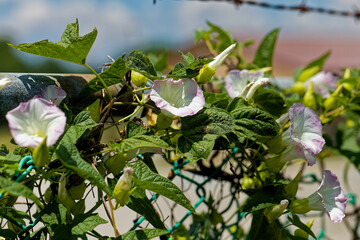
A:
295,220
71,47
138,61
201,130
142,205
142,234
271,101
265,52
69,155
144,178
17,189
111,76
189,69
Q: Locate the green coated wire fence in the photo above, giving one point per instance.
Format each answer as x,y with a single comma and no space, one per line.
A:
201,190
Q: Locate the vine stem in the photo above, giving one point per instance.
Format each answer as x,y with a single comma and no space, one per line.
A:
101,80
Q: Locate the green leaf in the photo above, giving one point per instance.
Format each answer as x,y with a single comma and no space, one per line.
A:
142,205
143,234
264,53
187,58
84,223
71,48
113,75
270,101
135,129
292,187
144,178
252,121
94,109
54,218
296,221
315,66
189,71
69,155
139,141
220,100
224,37
17,189
8,234
159,62
139,62
201,130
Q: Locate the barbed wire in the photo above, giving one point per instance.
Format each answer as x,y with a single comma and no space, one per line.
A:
302,7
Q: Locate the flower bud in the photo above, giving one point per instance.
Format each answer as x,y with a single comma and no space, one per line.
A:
309,97
247,182
63,195
122,189
308,73
298,88
258,83
273,213
138,79
330,103
208,71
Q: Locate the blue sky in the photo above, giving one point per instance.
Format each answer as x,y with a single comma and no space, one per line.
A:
127,24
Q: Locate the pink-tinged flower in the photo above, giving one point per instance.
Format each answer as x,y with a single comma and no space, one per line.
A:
329,197
323,83
4,82
239,83
53,94
303,138
34,120
180,98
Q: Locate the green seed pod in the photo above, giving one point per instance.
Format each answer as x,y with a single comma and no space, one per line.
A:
298,88
138,79
330,103
309,97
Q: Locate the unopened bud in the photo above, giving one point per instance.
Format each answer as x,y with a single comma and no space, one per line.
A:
273,213
308,73
138,79
208,71
258,83
122,189
309,97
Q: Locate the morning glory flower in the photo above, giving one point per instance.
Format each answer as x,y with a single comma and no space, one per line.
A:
304,136
244,83
328,198
34,120
4,82
53,94
180,98
323,83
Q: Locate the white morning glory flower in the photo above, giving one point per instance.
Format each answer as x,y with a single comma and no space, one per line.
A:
244,83
323,83
34,120
329,197
180,98
53,94
4,82
304,136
